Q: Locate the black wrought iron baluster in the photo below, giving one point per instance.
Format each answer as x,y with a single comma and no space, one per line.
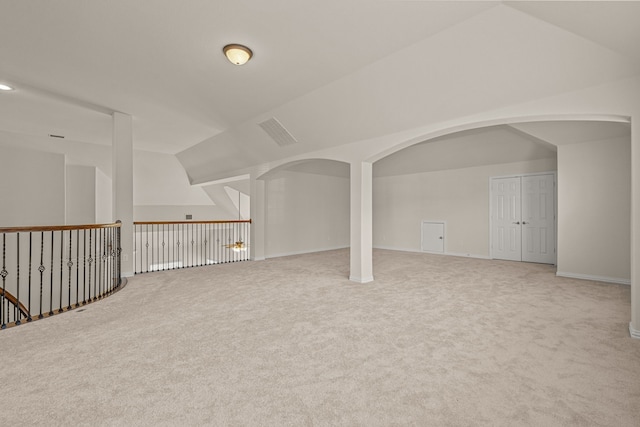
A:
224,241
216,233
70,266
84,266
90,260
147,247
227,239
164,264
51,278
107,263
177,237
172,248
200,242
4,312
16,309
207,252
77,268
41,269
98,266
29,319
112,259
102,259
201,245
61,268
96,262
190,247
118,234
157,247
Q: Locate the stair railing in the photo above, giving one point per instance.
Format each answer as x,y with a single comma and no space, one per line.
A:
46,270
169,245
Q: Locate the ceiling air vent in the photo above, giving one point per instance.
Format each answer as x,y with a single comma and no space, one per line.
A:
277,132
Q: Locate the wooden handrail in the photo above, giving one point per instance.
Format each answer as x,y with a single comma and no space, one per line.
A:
13,300
57,227
192,222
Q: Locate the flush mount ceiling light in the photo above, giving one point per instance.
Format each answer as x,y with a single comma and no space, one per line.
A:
237,54
5,87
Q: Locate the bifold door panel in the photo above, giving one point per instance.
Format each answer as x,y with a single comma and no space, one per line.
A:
523,218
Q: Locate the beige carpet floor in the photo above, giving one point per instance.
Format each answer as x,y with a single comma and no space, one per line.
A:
433,341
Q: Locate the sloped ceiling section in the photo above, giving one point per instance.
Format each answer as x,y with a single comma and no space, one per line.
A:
499,57
592,20
161,61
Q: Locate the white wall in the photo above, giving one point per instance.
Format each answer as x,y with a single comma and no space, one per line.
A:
458,196
306,212
594,187
32,189
178,213
103,197
162,192
81,194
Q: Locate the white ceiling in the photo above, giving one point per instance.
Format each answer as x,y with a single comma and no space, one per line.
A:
332,71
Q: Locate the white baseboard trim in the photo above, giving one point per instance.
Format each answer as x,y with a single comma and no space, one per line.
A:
467,255
361,279
634,332
128,274
310,251
615,280
258,259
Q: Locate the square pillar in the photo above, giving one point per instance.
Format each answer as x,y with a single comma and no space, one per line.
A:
361,255
258,219
122,186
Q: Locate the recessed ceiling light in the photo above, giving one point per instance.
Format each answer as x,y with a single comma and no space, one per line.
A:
5,87
237,54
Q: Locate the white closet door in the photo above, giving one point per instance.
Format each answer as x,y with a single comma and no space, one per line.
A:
538,219
506,237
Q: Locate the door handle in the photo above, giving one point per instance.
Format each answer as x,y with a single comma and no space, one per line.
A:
517,223
523,223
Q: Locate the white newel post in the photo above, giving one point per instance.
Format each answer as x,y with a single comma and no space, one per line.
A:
258,220
122,185
361,222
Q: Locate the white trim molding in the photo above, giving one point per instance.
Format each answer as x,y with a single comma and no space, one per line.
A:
634,332
361,279
615,280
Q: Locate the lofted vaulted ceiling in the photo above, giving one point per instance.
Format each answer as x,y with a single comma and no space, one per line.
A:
332,72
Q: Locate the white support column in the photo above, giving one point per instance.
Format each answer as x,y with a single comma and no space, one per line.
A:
122,185
361,222
258,219
634,325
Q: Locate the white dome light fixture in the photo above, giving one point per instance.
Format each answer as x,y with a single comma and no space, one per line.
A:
237,54
5,87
